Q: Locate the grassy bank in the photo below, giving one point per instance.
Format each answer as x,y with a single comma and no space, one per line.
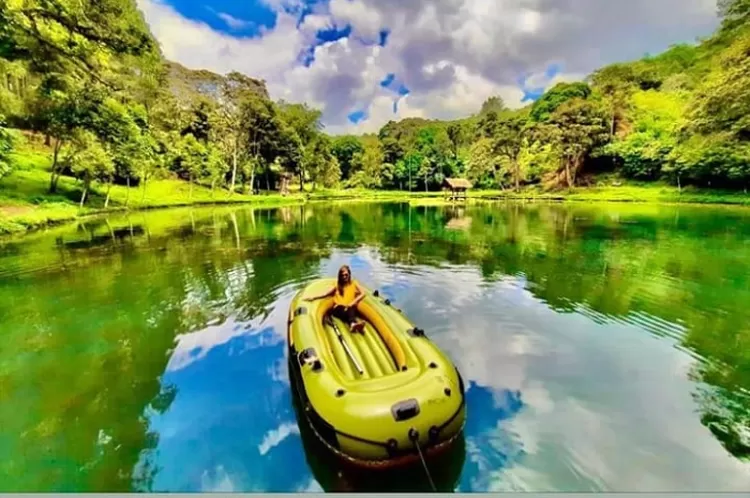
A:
26,204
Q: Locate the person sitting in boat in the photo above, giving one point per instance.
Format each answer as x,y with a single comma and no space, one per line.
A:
346,296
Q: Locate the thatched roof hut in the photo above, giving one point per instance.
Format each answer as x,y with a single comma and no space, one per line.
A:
457,184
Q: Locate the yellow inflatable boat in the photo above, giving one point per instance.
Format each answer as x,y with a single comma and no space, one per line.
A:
381,398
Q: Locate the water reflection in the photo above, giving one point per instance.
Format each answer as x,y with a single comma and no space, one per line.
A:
146,351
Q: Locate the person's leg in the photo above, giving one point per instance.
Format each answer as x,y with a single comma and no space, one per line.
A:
338,312
355,324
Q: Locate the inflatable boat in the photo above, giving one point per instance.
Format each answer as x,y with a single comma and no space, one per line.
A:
380,398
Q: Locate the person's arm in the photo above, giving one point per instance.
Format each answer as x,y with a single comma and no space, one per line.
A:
360,296
322,296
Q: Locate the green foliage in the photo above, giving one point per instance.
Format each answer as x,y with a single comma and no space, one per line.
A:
492,104
557,96
576,128
656,118
509,141
6,147
344,148
484,167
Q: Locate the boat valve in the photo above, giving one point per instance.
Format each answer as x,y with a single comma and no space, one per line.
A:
413,434
434,433
391,446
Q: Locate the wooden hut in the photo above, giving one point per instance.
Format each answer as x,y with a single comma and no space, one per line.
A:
455,188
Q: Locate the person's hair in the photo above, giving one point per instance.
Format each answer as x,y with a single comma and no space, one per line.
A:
340,278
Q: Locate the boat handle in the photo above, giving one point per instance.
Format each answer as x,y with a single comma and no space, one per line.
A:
404,410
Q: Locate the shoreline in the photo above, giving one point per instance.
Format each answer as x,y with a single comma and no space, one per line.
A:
30,218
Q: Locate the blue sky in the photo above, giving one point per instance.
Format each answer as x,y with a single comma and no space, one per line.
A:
365,62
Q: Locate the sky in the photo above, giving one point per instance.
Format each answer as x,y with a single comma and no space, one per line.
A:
366,62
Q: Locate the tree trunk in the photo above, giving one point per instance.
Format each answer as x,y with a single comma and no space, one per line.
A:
190,181
109,190
127,194
567,173
83,195
301,180
55,174
268,181
517,175
252,181
234,170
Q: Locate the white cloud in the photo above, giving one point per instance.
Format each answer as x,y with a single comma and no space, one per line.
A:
233,22
275,437
451,54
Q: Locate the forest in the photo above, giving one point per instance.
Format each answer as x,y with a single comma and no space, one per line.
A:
90,79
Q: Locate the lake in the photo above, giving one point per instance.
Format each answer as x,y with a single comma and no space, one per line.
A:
604,347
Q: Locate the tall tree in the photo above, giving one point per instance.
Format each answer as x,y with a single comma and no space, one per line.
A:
492,104
576,128
304,122
509,142
557,96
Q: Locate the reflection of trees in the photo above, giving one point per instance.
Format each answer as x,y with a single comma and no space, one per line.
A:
85,345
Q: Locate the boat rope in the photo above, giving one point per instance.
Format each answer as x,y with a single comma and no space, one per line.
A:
414,436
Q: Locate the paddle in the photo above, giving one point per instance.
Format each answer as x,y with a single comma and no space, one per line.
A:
343,343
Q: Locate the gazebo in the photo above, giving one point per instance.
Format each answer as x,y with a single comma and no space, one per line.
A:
455,188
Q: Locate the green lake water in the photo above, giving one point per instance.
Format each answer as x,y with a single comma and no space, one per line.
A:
604,347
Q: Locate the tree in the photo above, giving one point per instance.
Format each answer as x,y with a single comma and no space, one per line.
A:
456,135
616,82
575,128
344,148
320,162
722,103
484,166
656,118
89,161
80,38
493,104
368,164
733,12
192,157
304,122
60,114
236,88
509,142
557,96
